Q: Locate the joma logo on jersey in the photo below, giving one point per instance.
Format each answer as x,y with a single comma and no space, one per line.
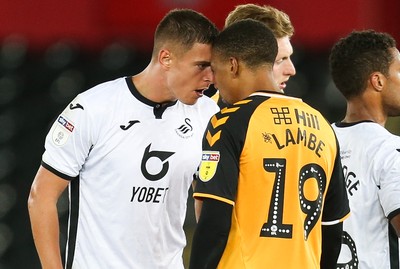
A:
209,164
129,125
77,106
64,122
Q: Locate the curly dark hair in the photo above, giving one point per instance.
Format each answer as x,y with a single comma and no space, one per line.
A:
355,57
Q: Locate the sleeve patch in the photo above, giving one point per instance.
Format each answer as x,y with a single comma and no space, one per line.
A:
62,130
209,164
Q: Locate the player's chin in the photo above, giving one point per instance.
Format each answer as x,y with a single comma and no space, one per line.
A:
193,97
190,100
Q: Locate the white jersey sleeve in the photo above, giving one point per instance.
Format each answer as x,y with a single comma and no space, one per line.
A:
73,132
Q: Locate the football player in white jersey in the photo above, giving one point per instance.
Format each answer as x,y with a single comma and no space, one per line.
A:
365,67
127,150
281,26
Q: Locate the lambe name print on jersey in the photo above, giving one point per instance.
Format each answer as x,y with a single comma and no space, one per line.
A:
154,167
301,136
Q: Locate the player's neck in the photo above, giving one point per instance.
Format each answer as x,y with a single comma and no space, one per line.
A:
367,106
259,80
358,111
151,85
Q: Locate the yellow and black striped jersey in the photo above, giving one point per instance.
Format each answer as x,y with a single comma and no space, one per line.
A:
276,160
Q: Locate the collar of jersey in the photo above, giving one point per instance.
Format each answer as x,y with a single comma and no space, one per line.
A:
348,124
143,99
273,94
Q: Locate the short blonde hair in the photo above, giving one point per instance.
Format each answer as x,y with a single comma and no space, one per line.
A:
276,20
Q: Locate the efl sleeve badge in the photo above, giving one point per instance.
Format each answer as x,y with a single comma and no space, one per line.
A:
209,164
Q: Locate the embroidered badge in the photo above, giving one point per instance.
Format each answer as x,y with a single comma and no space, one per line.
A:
209,164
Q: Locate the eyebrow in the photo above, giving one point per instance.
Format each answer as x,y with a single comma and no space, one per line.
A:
203,63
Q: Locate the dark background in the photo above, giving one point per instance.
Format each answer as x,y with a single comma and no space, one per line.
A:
50,50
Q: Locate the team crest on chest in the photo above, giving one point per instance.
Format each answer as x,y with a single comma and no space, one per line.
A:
209,164
185,130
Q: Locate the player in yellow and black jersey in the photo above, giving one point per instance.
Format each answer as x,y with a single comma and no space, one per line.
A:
270,176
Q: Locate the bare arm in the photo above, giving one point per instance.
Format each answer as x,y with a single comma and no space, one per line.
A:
395,221
198,204
42,204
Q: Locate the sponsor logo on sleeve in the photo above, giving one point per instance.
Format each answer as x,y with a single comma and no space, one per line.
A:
209,164
62,130
64,122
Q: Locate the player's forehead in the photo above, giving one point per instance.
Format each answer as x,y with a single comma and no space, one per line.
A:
284,46
216,59
198,54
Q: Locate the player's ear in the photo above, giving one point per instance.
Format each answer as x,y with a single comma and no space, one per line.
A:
164,58
377,80
234,66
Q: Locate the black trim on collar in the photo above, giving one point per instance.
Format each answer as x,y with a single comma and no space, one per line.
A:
348,124
267,91
158,108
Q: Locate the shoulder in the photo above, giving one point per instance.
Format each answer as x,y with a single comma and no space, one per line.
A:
104,95
366,131
105,90
236,117
370,138
205,107
207,102
390,145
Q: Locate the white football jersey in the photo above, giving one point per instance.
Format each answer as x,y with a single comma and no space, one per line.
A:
131,162
371,162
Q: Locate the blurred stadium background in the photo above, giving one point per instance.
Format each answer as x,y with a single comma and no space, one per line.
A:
50,50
